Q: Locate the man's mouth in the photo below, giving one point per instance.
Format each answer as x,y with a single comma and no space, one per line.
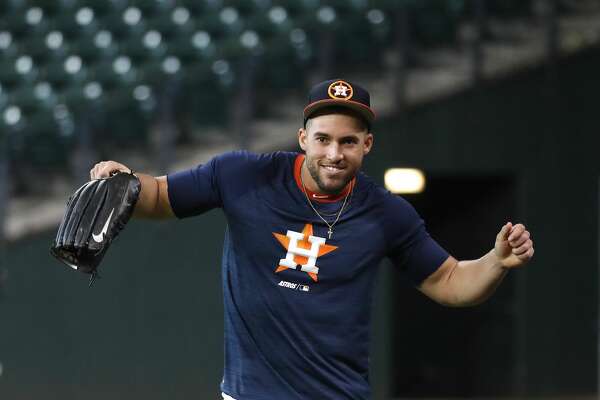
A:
333,168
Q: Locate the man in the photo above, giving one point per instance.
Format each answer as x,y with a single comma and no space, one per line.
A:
306,233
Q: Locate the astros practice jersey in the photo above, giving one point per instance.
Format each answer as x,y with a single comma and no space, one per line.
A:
297,303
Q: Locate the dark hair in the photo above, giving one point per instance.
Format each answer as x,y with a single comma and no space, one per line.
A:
364,124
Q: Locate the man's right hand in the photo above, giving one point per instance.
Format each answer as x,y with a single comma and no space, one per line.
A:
105,168
153,201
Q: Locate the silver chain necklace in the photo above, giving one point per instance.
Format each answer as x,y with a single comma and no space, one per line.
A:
339,214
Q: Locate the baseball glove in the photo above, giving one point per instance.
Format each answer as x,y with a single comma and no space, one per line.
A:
94,216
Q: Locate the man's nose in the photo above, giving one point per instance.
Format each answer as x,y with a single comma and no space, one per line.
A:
334,152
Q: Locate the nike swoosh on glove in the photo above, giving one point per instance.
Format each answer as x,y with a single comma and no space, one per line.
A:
94,216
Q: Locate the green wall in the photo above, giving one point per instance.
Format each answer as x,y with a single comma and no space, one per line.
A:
151,328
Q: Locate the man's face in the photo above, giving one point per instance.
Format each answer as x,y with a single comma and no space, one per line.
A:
335,145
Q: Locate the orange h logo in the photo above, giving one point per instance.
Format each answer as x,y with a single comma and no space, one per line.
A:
303,249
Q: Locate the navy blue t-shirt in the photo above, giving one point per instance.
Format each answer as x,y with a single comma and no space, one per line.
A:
298,304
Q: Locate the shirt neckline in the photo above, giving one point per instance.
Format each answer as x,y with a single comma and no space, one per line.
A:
318,197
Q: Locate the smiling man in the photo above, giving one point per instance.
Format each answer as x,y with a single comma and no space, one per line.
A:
306,234
335,142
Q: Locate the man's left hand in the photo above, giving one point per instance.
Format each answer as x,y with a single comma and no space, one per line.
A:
514,247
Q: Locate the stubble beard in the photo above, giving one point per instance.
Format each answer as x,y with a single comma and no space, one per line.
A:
313,170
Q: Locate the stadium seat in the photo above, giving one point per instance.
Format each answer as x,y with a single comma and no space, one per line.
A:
76,23
125,22
94,47
63,72
38,46
323,18
133,47
8,46
157,72
101,8
113,73
36,20
56,45
192,48
79,97
176,22
45,95
12,119
276,21
145,98
380,24
222,23
18,70
236,48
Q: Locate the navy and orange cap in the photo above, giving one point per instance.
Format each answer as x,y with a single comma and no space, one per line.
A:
338,92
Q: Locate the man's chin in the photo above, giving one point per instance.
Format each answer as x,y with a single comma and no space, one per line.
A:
332,187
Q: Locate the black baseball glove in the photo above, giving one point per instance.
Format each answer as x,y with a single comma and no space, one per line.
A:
95,215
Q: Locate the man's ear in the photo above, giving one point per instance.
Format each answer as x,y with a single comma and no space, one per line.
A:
368,145
302,138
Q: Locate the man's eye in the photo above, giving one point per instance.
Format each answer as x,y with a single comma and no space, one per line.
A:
321,139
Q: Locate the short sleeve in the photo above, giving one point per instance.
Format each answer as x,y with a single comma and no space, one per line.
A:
195,190
217,183
411,248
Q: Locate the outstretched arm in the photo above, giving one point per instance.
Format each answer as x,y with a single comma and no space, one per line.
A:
467,283
153,201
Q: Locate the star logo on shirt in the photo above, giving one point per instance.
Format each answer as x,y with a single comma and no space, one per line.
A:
303,249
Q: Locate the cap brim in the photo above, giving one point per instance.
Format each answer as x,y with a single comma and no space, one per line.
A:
366,112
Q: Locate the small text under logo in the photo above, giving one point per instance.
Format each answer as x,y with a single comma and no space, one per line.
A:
294,286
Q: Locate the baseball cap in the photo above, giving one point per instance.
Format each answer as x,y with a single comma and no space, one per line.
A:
341,93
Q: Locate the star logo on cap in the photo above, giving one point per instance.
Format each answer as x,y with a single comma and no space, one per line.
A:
340,90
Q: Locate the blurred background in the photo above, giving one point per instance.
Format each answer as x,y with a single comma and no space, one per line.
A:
494,101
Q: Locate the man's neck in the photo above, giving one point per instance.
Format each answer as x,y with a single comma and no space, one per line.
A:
305,181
